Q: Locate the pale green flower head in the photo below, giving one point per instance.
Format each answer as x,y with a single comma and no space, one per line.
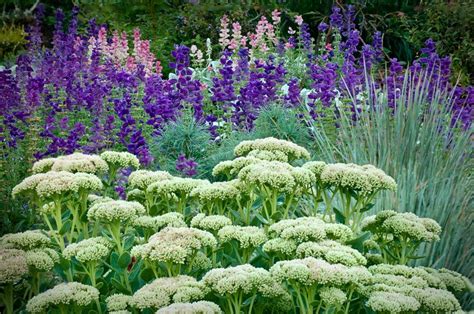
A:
174,245
88,182
79,162
27,240
427,274
278,228
89,250
141,179
118,302
331,251
249,236
164,291
233,167
316,167
280,246
110,211
57,184
63,294
120,159
310,271
332,296
223,191
211,223
268,155
158,222
291,150
199,307
392,302
43,165
364,179
175,185
13,266
136,195
271,174
434,300
42,260
338,232
243,278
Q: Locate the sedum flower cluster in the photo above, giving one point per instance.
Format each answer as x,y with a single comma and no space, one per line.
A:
291,150
331,251
216,196
211,223
141,179
198,307
174,246
13,266
111,211
27,240
88,250
399,288
163,291
231,168
156,223
365,179
120,159
76,162
406,232
65,295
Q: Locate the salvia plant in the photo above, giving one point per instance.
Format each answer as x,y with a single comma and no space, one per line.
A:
264,241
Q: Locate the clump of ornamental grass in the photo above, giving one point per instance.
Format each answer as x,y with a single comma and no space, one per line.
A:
139,181
357,186
309,277
246,288
174,250
198,307
89,254
243,241
399,235
163,291
174,192
13,268
76,162
115,216
71,296
291,150
150,225
272,179
218,197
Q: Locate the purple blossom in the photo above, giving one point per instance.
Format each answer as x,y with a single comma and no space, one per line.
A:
186,166
336,18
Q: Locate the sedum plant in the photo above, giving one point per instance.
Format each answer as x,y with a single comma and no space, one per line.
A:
149,225
13,267
398,236
89,253
191,308
292,151
245,288
141,179
72,296
243,241
174,192
357,186
174,250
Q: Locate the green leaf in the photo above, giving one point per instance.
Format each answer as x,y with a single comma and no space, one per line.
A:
261,218
65,228
367,207
147,275
339,216
416,257
114,257
358,242
118,285
124,260
129,241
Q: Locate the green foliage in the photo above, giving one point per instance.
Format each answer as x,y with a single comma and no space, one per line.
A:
183,136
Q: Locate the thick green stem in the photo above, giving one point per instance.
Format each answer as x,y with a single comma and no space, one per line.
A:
8,298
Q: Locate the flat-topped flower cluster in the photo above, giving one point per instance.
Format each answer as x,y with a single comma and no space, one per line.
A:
275,237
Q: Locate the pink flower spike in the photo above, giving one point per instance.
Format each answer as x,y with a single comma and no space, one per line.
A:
299,20
276,17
